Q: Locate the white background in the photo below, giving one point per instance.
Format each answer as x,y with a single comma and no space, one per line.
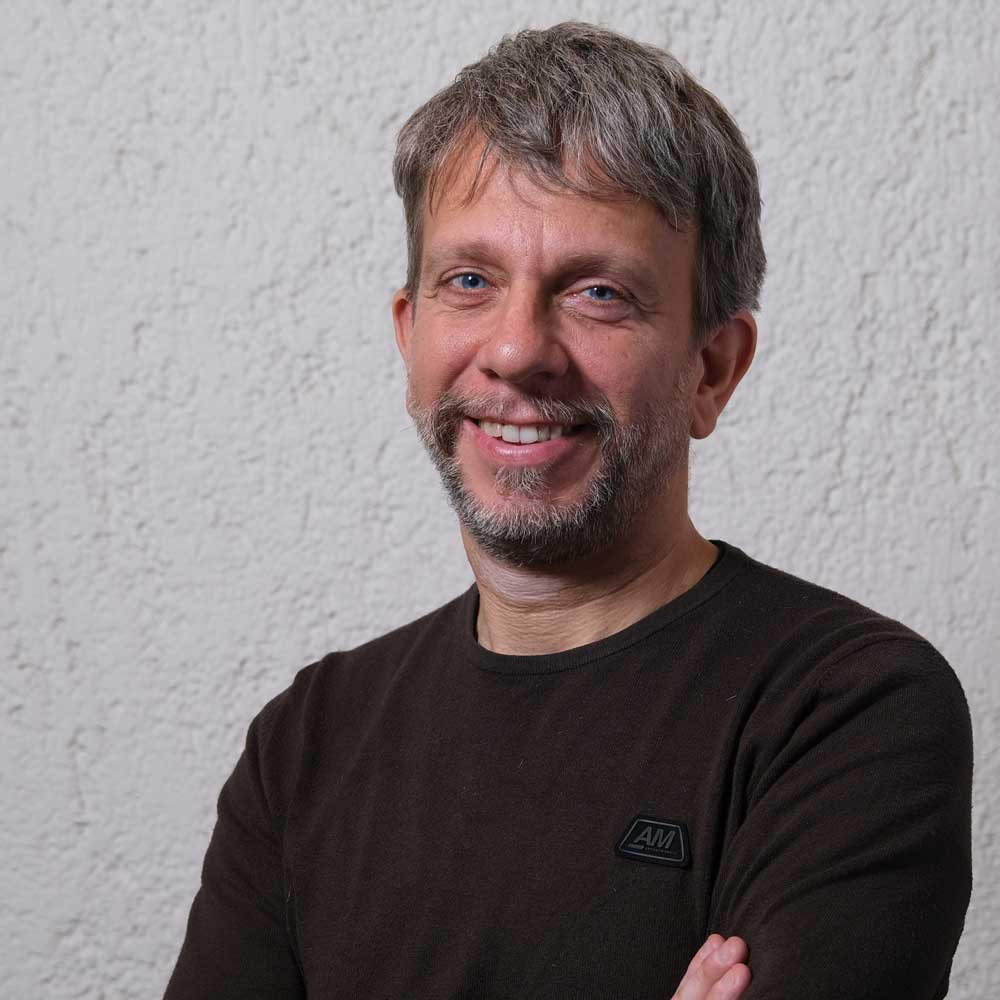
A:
209,479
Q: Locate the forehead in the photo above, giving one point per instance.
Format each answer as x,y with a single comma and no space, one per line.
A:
481,200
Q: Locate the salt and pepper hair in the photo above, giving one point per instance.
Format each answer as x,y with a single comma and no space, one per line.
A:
585,109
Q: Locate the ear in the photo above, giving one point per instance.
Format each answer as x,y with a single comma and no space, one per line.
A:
724,361
402,320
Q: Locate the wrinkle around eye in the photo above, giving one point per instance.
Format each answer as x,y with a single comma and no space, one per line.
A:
450,291
620,305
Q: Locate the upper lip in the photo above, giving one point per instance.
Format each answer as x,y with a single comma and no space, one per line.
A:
522,421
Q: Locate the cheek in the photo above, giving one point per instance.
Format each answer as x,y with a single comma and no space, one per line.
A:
439,357
627,375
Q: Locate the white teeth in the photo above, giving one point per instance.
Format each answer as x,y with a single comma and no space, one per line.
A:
527,434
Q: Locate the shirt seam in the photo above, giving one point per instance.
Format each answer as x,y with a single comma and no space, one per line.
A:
914,640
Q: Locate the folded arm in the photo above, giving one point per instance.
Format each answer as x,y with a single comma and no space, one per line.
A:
849,872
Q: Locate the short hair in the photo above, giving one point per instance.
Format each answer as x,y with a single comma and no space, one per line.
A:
584,108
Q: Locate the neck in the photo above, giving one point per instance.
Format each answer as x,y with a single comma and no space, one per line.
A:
535,610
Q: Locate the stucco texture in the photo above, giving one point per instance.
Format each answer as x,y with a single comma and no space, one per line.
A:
209,478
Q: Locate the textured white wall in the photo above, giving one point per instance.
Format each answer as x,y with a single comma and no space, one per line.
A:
208,475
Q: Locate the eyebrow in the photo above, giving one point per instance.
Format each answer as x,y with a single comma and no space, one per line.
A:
637,275
474,251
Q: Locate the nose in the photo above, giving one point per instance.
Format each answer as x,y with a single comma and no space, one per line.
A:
522,345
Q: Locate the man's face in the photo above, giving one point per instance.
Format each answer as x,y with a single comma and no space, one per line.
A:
549,362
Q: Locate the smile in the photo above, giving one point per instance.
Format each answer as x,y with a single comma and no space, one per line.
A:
526,433
535,444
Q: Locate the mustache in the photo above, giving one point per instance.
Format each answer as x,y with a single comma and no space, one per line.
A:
452,407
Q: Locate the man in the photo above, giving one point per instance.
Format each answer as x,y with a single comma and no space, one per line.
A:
624,738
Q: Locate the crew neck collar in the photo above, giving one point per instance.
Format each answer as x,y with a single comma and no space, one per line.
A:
728,563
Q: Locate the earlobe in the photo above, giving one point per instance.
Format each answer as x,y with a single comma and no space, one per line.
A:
725,359
402,320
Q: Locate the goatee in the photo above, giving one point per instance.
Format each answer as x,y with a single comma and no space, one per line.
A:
636,462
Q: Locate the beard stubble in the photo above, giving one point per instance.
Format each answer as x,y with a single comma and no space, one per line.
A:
637,462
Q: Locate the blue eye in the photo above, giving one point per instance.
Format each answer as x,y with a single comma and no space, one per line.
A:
470,282
602,293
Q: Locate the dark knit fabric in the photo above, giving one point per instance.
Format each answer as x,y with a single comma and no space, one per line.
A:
423,818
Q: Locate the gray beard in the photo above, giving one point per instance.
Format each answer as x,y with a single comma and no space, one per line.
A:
636,462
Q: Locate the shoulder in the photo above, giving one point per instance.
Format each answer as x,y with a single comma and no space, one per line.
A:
362,669
796,619
841,708
803,645
330,689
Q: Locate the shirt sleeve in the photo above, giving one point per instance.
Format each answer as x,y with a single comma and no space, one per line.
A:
849,869
238,943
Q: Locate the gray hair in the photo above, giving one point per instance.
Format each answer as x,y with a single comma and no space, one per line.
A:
585,109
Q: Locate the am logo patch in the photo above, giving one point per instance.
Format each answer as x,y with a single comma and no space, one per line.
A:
661,841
